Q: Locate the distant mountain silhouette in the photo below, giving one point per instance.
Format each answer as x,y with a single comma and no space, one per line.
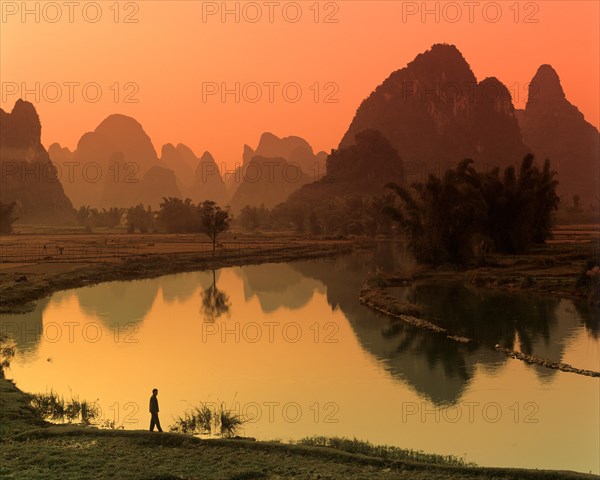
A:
197,178
296,151
234,179
435,114
175,158
70,177
28,176
362,168
117,165
556,129
188,156
268,182
207,182
157,179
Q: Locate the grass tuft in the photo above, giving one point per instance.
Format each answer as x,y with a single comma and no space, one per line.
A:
384,451
202,420
55,408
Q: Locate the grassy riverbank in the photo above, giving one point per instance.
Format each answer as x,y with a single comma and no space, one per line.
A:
27,274
22,283
33,451
547,269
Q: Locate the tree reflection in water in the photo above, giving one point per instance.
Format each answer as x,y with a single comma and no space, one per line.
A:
215,302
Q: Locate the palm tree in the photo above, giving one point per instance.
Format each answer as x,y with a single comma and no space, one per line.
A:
442,215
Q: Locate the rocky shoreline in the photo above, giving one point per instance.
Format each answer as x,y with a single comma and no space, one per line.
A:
376,298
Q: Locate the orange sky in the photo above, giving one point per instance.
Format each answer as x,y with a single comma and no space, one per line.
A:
172,51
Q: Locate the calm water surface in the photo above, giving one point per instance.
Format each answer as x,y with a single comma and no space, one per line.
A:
289,346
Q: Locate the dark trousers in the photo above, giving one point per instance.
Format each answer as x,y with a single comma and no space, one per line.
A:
155,421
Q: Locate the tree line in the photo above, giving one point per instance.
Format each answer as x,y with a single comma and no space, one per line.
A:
174,216
455,218
335,216
448,219
467,213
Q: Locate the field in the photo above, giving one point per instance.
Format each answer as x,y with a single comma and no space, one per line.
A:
34,266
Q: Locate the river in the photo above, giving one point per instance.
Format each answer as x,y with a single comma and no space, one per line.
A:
289,346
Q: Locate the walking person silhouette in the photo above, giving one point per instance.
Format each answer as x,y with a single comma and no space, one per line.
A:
154,421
